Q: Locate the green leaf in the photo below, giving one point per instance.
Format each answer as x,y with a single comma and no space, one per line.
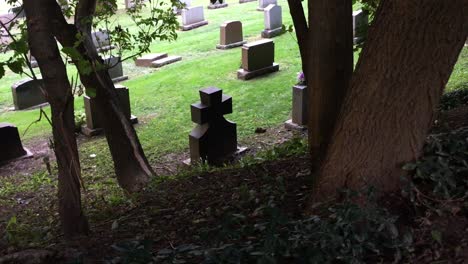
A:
16,66
437,236
91,92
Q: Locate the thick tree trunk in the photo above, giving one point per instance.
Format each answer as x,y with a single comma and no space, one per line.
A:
330,66
58,93
300,26
406,62
131,166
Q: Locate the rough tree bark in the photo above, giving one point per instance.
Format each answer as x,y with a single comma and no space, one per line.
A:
406,62
131,165
330,66
58,93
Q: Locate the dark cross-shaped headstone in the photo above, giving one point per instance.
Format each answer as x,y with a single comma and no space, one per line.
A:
214,139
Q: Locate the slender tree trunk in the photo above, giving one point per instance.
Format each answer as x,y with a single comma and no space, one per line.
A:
406,62
330,66
300,26
58,93
131,165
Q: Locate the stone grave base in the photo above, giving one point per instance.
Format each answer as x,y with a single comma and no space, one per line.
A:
89,132
28,155
119,79
194,25
30,108
247,75
216,6
267,33
146,60
290,125
240,151
165,61
230,46
105,48
260,9
246,1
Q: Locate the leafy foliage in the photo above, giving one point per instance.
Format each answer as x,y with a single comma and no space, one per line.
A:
454,99
444,164
347,232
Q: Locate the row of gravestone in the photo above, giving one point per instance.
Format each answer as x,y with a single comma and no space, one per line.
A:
213,140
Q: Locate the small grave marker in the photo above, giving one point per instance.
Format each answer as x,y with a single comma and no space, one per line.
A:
230,35
360,24
115,68
93,124
273,21
10,144
146,60
101,40
28,94
262,4
193,17
257,59
214,139
299,108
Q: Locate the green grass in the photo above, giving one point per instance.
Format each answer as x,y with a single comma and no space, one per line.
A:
161,98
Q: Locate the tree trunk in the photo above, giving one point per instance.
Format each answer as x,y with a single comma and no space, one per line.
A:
131,166
300,26
58,93
406,62
330,66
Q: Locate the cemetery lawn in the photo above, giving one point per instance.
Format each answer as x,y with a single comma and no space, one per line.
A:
161,99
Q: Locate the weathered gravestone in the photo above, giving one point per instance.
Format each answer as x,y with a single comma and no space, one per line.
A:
262,4
299,108
257,59
360,24
273,21
101,40
115,68
10,143
193,17
94,118
27,93
214,139
230,35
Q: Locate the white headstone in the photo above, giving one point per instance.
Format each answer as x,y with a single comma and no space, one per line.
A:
264,3
360,21
273,17
192,15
